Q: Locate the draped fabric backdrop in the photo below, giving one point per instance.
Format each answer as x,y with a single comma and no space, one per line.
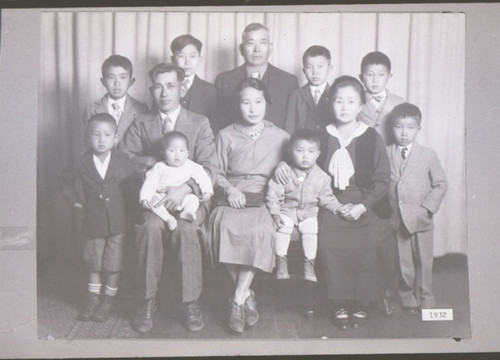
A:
426,50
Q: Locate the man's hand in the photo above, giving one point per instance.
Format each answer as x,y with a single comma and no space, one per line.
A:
174,197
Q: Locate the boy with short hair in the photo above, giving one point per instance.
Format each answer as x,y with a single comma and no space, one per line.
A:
418,186
197,95
117,78
308,106
375,74
96,186
297,203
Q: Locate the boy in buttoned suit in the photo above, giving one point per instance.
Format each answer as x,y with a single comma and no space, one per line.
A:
375,74
308,106
96,186
418,186
197,95
117,79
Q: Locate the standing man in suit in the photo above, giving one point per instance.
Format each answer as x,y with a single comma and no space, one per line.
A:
256,48
143,144
197,94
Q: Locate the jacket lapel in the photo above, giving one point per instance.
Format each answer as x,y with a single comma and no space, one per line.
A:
185,126
414,159
128,116
393,153
305,92
89,166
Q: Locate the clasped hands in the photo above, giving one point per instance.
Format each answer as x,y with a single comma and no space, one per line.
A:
174,196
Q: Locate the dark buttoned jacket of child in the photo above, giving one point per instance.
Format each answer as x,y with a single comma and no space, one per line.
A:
103,200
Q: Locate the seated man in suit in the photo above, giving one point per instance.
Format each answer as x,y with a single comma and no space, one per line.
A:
143,144
256,48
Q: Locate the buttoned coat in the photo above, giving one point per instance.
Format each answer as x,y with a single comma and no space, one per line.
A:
200,98
302,112
416,188
103,200
132,109
143,140
278,83
377,118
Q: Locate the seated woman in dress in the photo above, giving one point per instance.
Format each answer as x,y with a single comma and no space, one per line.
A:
240,227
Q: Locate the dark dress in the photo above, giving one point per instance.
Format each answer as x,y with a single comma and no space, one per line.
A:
347,250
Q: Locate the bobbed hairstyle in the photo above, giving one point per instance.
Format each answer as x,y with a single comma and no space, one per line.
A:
344,81
182,41
117,60
252,27
405,110
375,58
253,83
305,134
316,50
102,118
171,136
166,68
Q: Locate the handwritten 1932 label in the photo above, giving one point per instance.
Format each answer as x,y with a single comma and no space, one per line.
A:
437,314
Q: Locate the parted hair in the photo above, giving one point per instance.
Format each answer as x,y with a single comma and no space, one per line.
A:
406,110
376,58
165,68
256,84
344,81
316,50
103,118
182,41
117,60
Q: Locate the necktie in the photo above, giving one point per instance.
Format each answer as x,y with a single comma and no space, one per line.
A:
117,112
404,152
316,95
256,75
167,125
186,84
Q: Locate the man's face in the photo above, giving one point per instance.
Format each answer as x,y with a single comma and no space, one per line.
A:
256,47
166,91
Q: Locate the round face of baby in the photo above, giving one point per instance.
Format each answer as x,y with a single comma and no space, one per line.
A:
346,104
405,130
102,137
252,105
176,152
304,153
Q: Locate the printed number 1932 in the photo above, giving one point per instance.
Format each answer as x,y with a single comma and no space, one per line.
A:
437,314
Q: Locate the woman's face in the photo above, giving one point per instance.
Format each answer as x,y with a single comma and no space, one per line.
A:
346,104
252,105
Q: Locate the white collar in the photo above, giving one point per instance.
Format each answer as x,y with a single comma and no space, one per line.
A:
120,102
173,115
320,87
360,130
261,71
102,167
407,147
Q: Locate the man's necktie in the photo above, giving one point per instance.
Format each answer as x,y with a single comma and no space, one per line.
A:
117,112
256,75
404,152
167,125
185,84
316,95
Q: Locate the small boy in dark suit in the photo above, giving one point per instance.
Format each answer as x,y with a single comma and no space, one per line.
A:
197,95
95,186
375,74
418,186
117,79
308,106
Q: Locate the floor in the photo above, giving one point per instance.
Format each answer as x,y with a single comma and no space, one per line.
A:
62,286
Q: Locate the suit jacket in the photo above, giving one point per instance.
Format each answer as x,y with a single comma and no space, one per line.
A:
143,140
377,118
279,84
200,98
103,200
416,187
302,112
131,111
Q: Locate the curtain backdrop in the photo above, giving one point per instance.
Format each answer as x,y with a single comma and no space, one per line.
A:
426,50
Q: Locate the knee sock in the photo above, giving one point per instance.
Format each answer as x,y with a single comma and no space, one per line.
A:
95,288
110,291
282,243
310,245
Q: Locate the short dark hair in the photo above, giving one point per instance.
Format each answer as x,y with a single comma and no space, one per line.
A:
165,68
104,118
376,58
343,81
252,27
256,84
117,60
182,41
405,110
172,135
316,50
305,134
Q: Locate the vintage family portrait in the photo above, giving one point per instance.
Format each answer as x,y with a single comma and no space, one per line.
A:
251,175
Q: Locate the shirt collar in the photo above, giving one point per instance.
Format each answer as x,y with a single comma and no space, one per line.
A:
120,102
191,79
320,87
360,130
407,146
172,116
261,71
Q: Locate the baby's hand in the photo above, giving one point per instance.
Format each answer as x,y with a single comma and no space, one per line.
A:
146,204
205,197
278,221
162,189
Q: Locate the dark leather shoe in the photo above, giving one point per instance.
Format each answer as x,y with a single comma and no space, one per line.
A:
250,307
193,316
237,318
411,310
358,318
90,307
143,318
103,312
341,318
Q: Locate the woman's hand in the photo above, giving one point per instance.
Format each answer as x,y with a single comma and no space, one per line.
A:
236,198
278,221
355,212
283,173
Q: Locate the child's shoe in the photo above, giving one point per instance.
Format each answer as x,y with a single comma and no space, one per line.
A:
103,312
358,318
250,307
188,216
309,273
341,318
237,318
90,307
282,268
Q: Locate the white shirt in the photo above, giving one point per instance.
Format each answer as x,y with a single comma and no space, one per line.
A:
377,103
321,89
102,167
120,102
407,152
172,116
